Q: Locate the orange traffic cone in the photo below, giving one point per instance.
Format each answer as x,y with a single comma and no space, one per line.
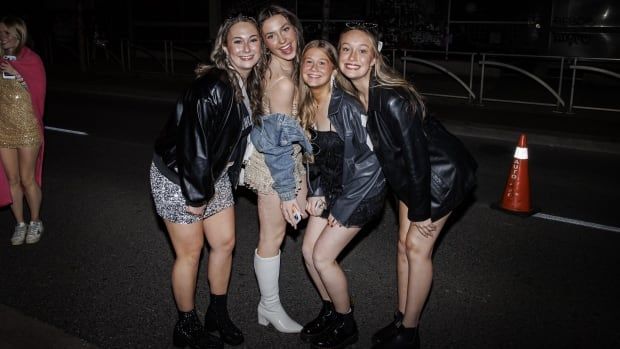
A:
516,198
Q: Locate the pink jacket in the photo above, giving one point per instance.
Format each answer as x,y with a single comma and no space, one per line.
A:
30,67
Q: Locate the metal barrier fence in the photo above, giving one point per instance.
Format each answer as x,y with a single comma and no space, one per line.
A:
554,74
550,73
575,66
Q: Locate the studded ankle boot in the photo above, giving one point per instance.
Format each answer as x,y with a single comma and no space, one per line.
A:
188,332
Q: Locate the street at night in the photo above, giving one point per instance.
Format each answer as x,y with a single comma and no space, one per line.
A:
101,272
530,88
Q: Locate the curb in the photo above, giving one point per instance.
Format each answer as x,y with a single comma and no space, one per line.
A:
21,331
534,137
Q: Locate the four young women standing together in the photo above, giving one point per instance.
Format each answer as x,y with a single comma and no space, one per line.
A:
250,114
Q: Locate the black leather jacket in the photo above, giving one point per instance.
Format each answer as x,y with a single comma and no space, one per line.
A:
361,176
203,134
428,168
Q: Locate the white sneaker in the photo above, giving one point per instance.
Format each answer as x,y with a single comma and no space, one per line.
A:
35,230
19,235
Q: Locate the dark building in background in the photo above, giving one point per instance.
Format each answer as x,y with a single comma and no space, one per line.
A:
585,28
76,28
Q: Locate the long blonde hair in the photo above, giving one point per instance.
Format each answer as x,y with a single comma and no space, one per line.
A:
385,75
307,105
221,61
21,32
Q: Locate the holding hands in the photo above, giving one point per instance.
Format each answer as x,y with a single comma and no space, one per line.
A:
315,205
291,212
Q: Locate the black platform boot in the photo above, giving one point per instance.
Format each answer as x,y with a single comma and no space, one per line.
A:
188,332
388,331
217,319
318,326
405,338
342,333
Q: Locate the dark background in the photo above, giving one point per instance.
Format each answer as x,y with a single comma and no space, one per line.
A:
562,27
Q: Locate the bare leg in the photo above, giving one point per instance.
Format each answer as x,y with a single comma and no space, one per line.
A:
220,233
402,264
10,161
267,265
272,225
27,164
187,240
315,227
329,245
419,255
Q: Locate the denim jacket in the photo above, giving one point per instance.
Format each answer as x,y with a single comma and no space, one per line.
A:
275,137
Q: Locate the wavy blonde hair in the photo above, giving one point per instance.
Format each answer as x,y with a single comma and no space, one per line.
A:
307,105
21,32
385,75
221,61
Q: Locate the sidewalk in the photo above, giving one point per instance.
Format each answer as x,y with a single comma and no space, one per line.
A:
582,130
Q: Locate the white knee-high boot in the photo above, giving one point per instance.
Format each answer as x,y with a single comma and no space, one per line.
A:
270,309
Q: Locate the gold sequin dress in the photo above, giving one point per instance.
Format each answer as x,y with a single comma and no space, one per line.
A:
18,124
257,175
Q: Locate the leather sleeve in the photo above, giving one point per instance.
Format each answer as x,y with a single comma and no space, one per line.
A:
410,134
198,105
361,171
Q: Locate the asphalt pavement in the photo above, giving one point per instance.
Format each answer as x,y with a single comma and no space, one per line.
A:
87,294
586,130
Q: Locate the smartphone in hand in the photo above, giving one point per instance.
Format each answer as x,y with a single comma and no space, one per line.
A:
297,217
6,75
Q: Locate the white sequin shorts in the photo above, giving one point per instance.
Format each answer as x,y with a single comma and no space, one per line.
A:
170,203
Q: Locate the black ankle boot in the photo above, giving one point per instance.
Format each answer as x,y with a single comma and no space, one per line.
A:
341,333
404,338
388,331
188,332
318,326
217,319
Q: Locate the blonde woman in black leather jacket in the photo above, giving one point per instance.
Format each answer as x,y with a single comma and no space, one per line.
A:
346,190
428,169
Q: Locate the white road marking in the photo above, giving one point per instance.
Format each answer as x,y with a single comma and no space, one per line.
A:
577,222
66,130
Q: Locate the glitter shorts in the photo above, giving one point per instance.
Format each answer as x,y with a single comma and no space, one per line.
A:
258,177
170,203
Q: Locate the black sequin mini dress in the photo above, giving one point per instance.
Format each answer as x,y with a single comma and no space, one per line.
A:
328,159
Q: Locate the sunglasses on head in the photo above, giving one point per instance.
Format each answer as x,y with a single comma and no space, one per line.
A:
361,25
368,27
